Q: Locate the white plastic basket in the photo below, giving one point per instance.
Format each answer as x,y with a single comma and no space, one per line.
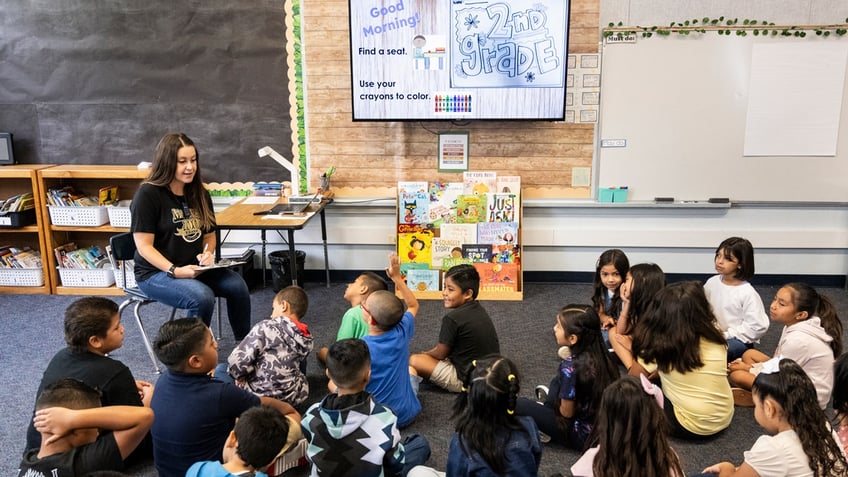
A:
119,278
85,278
119,216
21,277
78,216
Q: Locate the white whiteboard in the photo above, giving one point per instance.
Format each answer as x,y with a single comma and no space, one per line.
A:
681,105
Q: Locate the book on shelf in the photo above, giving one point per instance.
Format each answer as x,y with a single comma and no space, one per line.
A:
61,253
413,203
497,233
506,253
470,209
422,279
405,267
107,195
18,203
443,201
501,208
19,257
509,185
444,248
478,252
450,262
465,233
497,277
479,182
414,243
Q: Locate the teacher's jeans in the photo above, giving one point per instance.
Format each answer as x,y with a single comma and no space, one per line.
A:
197,296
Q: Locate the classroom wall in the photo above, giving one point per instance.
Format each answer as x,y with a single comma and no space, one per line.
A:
565,235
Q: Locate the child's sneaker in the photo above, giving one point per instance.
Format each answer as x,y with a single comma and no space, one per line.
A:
564,352
541,393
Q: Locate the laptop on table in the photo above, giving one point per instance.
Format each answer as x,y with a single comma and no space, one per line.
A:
297,208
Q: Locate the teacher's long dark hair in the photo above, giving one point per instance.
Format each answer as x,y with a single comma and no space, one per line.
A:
164,170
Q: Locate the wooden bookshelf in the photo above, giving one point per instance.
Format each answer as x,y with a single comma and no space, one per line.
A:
18,179
87,179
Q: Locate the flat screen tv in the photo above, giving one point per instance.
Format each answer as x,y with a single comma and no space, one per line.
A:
458,59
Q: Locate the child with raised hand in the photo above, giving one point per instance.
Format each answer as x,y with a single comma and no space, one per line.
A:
490,439
630,408
738,308
467,332
271,359
571,402
390,329
93,329
840,398
811,336
802,442
643,281
352,325
678,338
610,272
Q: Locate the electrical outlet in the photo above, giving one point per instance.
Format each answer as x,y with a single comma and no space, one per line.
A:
613,142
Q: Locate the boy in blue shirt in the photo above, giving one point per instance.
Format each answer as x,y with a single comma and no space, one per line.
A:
194,411
259,435
390,330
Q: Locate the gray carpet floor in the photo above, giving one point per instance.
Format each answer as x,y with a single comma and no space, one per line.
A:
31,332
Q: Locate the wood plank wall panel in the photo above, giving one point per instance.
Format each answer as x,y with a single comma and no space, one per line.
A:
371,157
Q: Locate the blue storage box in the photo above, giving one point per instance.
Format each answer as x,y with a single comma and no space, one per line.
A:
616,195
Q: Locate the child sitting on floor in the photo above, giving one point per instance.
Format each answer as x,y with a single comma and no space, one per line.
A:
353,325
69,418
271,359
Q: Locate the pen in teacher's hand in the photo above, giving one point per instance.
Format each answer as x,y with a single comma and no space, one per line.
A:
205,248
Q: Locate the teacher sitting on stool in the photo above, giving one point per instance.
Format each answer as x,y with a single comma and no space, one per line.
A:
173,225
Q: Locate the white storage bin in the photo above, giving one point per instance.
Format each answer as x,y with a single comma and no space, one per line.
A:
78,216
21,277
119,215
87,277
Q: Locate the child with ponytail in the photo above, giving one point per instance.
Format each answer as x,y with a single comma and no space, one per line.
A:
802,441
812,337
570,405
491,439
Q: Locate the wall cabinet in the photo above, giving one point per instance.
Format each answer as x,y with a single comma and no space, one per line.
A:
18,179
87,179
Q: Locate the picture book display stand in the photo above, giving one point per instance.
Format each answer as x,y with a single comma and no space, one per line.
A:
476,221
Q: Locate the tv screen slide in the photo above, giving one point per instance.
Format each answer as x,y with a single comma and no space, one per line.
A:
458,59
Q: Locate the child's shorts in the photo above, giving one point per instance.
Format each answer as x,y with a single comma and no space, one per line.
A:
444,376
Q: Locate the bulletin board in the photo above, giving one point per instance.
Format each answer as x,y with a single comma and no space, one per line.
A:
678,112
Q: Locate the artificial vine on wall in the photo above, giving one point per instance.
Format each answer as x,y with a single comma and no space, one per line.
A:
726,27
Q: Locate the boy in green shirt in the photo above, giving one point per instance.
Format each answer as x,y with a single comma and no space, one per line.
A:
352,325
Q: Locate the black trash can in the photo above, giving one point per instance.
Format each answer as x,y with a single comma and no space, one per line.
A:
281,268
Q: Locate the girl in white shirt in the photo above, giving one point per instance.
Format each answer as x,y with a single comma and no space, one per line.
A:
738,308
801,441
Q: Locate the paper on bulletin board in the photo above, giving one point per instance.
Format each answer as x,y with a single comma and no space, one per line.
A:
583,88
795,98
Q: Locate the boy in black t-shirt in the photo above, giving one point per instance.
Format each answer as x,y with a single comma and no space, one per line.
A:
93,329
467,332
68,416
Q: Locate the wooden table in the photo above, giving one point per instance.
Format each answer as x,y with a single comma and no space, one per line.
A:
240,216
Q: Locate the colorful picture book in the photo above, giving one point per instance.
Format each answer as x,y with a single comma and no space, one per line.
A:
413,203
497,233
444,248
477,252
498,277
479,182
422,279
415,243
501,208
470,209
